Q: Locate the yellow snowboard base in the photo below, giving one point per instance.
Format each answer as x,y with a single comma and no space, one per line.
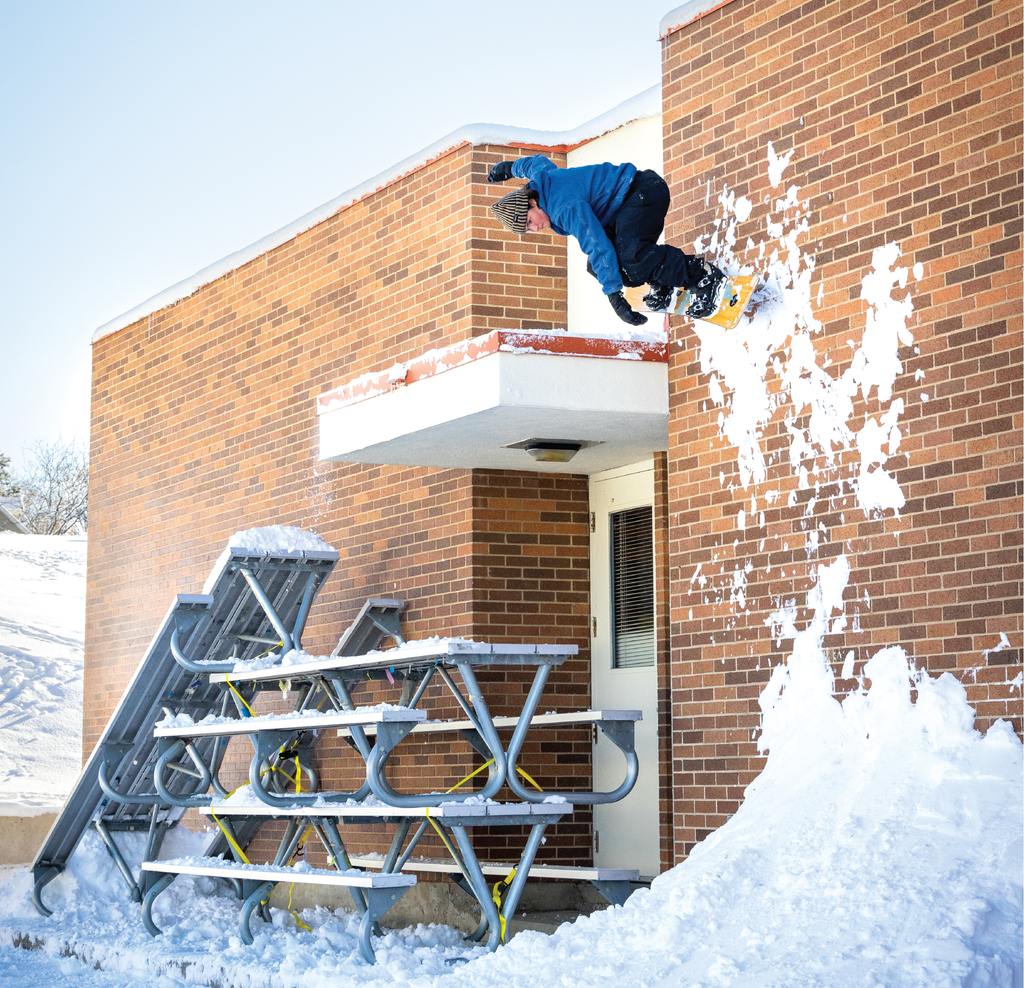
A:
734,300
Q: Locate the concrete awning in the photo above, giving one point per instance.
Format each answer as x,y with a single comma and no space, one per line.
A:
465,405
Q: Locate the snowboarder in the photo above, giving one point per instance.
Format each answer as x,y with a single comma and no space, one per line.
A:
617,213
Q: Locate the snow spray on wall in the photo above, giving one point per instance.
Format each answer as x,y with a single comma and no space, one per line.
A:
770,366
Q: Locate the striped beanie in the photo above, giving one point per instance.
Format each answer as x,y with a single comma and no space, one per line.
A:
511,209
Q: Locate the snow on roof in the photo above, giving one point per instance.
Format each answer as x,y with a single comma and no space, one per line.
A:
687,13
8,522
641,106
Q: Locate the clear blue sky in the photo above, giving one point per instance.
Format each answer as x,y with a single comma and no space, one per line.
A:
144,141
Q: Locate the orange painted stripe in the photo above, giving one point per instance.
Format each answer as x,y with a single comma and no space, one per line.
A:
438,361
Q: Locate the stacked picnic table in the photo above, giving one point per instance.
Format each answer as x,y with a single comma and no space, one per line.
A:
180,748
375,734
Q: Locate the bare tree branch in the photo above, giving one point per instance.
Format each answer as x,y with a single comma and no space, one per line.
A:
55,491
8,487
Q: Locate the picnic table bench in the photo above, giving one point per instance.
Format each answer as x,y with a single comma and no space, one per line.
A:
379,891
452,818
615,884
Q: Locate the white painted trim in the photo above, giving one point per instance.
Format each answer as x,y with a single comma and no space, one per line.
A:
641,466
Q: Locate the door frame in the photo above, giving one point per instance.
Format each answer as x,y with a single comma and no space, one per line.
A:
631,486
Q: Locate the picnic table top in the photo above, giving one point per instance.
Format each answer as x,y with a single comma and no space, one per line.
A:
448,651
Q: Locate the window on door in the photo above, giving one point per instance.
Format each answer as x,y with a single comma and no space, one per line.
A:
632,574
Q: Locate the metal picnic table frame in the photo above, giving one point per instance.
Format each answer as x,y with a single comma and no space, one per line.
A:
204,662
391,725
427,660
451,816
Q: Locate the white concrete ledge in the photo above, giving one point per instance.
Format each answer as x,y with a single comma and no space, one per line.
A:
492,394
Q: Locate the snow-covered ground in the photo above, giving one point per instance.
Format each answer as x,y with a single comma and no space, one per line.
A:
881,847
42,629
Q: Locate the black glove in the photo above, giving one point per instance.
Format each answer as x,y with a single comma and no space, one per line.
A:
624,312
501,172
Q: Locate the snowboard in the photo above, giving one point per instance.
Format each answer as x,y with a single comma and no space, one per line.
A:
735,298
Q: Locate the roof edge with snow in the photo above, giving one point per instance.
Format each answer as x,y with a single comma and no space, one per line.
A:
687,13
641,106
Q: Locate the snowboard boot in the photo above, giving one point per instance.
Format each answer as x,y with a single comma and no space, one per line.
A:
706,295
659,297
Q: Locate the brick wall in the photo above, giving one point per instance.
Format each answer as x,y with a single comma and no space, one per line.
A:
202,414
532,582
663,596
905,125
203,424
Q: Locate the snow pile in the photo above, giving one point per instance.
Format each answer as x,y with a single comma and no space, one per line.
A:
880,846
42,630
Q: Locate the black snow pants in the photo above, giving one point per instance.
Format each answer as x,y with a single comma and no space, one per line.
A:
634,233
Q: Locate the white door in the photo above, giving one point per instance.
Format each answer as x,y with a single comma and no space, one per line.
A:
623,650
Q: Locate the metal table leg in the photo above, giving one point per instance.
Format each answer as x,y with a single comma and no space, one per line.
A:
253,901
147,903
327,830
481,890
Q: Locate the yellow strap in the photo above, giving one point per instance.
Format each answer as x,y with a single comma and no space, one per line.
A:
302,840
298,848
440,834
239,695
496,893
295,915
297,778
471,774
529,779
231,840
298,771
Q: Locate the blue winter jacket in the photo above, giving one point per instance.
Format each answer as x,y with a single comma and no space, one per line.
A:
582,201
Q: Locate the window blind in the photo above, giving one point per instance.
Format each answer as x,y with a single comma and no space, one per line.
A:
632,588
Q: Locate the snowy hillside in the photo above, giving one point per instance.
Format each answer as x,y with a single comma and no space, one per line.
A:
42,627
